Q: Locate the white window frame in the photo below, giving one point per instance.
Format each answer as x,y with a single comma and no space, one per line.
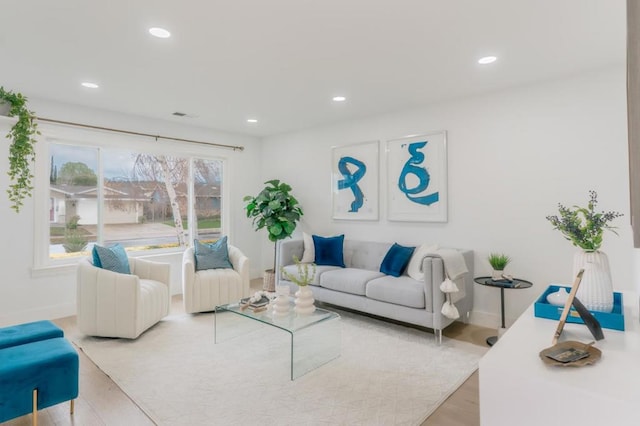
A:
43,265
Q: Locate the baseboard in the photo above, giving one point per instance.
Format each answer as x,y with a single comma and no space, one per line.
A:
44,313
485,319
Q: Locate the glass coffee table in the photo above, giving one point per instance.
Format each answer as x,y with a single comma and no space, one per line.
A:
315,338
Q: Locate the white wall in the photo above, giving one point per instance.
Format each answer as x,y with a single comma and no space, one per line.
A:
30,295
512,156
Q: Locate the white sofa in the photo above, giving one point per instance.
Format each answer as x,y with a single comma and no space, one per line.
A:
361,287
203,290
111,304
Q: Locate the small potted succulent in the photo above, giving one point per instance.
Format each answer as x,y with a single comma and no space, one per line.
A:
498,262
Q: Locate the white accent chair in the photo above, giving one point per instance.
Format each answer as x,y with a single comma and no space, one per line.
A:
203,290
111,304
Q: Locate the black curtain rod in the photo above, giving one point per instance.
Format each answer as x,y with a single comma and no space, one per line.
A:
128,132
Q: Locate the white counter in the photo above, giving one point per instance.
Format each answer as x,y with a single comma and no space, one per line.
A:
517,388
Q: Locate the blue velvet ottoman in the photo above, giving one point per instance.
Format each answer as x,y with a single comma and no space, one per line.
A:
37,375
26,333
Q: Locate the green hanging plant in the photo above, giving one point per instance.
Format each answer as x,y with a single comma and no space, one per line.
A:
21,151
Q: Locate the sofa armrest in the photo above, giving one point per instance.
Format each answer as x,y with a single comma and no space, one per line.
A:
434,275
288,249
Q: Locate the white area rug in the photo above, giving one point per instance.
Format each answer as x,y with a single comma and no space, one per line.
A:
386,375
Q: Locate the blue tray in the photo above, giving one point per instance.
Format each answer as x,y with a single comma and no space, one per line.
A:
613,320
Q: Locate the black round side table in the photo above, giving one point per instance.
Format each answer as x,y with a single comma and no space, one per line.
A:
516,283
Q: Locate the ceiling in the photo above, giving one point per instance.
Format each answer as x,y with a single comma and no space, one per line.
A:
282,61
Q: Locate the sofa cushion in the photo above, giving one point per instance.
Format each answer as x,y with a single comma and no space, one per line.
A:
113,258
212,256
396,260
293,270
308,251
329,250
402,290
348,280
364,254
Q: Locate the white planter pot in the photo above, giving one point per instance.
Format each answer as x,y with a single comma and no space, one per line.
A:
496,274
280,306
304,301
596,287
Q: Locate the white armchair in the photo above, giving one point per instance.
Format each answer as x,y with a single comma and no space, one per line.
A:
111,304
203,290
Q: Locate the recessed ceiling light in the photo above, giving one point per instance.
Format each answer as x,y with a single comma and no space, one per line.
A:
90,85
487,60
339,99
251,120
159,32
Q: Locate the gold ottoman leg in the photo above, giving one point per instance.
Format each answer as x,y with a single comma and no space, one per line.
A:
35,408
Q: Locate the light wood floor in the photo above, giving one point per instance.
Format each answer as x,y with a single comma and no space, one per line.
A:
101,402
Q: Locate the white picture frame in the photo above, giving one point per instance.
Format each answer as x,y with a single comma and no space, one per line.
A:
417,178
355,175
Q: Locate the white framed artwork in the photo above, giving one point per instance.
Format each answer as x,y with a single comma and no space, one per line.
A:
354,181
417,178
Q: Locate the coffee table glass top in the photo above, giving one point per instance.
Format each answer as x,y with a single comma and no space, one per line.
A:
291,322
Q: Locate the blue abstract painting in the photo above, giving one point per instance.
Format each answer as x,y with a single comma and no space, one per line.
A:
417,178
355,181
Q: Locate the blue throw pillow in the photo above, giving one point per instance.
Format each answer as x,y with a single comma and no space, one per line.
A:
396,260
329,250
212,256
112,258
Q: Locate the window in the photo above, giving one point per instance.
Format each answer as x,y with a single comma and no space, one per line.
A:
144,200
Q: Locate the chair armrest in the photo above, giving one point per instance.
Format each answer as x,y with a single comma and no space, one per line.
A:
150,270
240,264
188,267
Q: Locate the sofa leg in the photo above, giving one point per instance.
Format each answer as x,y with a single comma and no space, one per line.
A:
438,337
34,421
71,406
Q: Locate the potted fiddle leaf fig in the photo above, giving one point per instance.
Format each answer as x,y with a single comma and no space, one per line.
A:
275,209
21,150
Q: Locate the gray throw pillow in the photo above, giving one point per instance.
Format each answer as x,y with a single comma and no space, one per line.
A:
212,256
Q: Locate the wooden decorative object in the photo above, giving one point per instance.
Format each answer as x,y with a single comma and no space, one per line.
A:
567,307
594,354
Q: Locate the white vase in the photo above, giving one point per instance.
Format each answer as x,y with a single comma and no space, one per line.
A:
558,298
304,301
281,303
596,288
496,274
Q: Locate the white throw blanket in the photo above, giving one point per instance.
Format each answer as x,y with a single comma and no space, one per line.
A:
453,286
